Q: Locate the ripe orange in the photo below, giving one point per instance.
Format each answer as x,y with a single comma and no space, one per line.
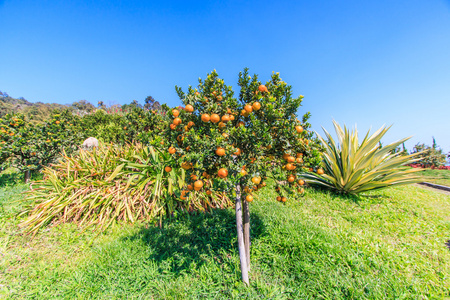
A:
320,171
256,180
183,195
190,187
299,160
290,159
172,150
256,106
57,122
240,124
175,112
167,169
262,88
205,118
299,128
279,198
225,118
220,151
238,152
291,178
301,182
283,199
243,172
198,185
190,124
249,198
222,173
208,192
301,190
231,118
189,108
177,121
222,125
248,108
173,126
225,135
219,98
215,118
290,167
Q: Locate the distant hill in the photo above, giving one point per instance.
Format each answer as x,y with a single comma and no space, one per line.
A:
38,112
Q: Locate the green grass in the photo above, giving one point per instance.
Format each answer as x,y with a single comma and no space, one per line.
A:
390,244
441,177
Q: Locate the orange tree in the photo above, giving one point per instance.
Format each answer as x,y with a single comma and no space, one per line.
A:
28,147
233,144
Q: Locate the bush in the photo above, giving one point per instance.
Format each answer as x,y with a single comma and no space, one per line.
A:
109,184
353,168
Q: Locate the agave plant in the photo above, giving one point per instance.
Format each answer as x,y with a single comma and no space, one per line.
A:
352,167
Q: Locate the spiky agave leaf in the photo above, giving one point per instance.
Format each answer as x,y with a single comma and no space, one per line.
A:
352,167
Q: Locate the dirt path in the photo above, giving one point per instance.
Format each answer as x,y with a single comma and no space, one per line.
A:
432,189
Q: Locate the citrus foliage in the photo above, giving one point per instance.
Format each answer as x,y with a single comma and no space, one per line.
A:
240,140
28,146
352,167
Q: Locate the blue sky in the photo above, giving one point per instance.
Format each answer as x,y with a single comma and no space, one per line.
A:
359,62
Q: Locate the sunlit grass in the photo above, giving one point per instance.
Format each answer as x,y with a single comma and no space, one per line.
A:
390,244
441,177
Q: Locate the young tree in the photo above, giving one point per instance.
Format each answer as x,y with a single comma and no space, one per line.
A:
233,145
431,157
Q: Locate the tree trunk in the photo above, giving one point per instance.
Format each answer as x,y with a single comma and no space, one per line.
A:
240,235
245,206
26,176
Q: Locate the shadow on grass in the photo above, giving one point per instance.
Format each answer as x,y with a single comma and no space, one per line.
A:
195,239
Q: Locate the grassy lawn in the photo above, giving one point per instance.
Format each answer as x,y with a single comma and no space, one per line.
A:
390,244
441,177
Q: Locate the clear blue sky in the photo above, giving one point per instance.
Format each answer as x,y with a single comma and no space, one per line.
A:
359,62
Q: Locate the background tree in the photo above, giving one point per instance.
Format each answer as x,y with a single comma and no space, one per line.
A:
431,156
233,145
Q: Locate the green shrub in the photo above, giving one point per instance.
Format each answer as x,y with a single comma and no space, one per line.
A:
353,168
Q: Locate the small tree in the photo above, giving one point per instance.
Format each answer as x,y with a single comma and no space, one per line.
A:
233,145
431,157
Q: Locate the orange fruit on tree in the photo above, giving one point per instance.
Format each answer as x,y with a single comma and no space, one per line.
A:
220,151
256,106
198,185
283,199
215,118
173,126
279,198
290,159
222,173
248,108
222,125
167,169
301,190
238,152
225,118
299,129
291,178
206,118
175,112
183,194
256,179
219,98
177,121
57,122
249,198
172,150
243,172
189,108
290,167
231,118
190,187
262,88
240,124
299,160
208,192
320,171
190,124
301,182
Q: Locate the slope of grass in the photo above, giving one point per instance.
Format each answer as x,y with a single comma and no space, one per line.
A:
390,244
441,177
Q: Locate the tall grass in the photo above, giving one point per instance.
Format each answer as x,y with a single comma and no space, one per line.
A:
108,184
